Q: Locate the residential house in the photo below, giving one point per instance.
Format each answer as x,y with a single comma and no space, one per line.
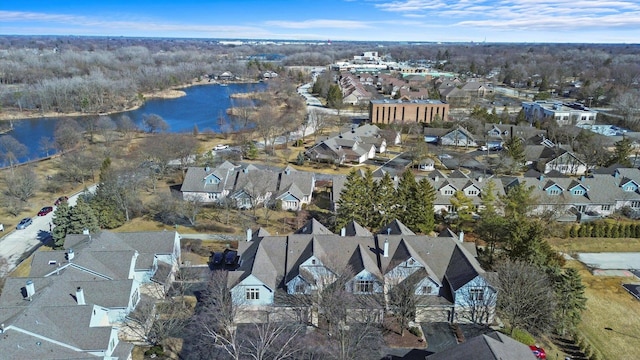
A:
557,158
446,185
353,145
498,134
458,137
248,186
304,262
570,198
74,301
477,89
491,346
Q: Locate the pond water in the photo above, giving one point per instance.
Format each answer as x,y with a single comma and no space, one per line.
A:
203,106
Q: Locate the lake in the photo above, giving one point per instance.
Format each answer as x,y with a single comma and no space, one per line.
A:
202,106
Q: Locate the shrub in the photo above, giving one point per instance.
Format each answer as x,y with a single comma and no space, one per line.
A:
155,350
415,331
523,336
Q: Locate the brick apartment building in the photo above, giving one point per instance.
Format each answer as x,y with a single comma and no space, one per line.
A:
423,111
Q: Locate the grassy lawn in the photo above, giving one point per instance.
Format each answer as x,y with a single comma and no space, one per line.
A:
576,245
608,304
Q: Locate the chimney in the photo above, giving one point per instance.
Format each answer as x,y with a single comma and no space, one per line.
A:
343,232
541,177
461,236
31,289
70,254
249,234
80,296
385,252
206,169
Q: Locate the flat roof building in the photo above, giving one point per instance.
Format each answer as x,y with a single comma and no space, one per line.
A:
562,113
405,111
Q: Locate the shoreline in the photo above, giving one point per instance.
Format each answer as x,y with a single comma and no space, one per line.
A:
173,93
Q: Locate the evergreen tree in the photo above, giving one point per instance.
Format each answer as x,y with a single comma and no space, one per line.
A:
515,150
61,220
425,197
82,217
571,299
367,209
351,198
464,210
334,97
622,151
385,196
300,158
406,196
518,201
521,117
489,199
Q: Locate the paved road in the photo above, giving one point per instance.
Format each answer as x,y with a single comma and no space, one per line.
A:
17,243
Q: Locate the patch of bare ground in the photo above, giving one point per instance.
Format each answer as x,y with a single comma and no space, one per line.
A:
392,338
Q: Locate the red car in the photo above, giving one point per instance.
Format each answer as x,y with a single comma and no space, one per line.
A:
538,351
45,210
60,200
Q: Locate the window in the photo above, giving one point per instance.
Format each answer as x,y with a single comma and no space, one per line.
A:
578,192
313,261
410,262
253,294
605,207
476,294
300,288
472,192
448,192
364,286
635,204
426,290
554,192
213,195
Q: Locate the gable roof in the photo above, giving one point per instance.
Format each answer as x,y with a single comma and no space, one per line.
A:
492,346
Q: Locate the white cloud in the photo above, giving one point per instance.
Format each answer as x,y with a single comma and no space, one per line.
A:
319,23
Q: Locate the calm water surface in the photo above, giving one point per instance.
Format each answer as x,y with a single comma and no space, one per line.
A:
202,107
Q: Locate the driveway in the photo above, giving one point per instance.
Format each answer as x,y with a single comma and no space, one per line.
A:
17,243
439,336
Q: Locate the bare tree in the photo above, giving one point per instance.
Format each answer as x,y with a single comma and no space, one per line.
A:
154,123
478,303
403,301
11,150
153,322
126,126
46,144
22,184
527,299
67,135
213,327
106,126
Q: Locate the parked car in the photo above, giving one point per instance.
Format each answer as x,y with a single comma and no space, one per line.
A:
445,156
60,200
220,147
230,257
24,223
217,258
538,351
45,210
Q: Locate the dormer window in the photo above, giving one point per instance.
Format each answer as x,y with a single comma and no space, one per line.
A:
472,192
554,192
578,192
448,192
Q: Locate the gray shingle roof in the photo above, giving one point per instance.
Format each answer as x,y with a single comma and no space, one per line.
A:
492,346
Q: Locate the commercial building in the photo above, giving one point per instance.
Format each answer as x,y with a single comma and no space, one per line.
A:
402,111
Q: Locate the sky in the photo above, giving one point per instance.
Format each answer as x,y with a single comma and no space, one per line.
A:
531,21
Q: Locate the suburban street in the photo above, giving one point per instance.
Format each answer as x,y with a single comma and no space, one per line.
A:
17,243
